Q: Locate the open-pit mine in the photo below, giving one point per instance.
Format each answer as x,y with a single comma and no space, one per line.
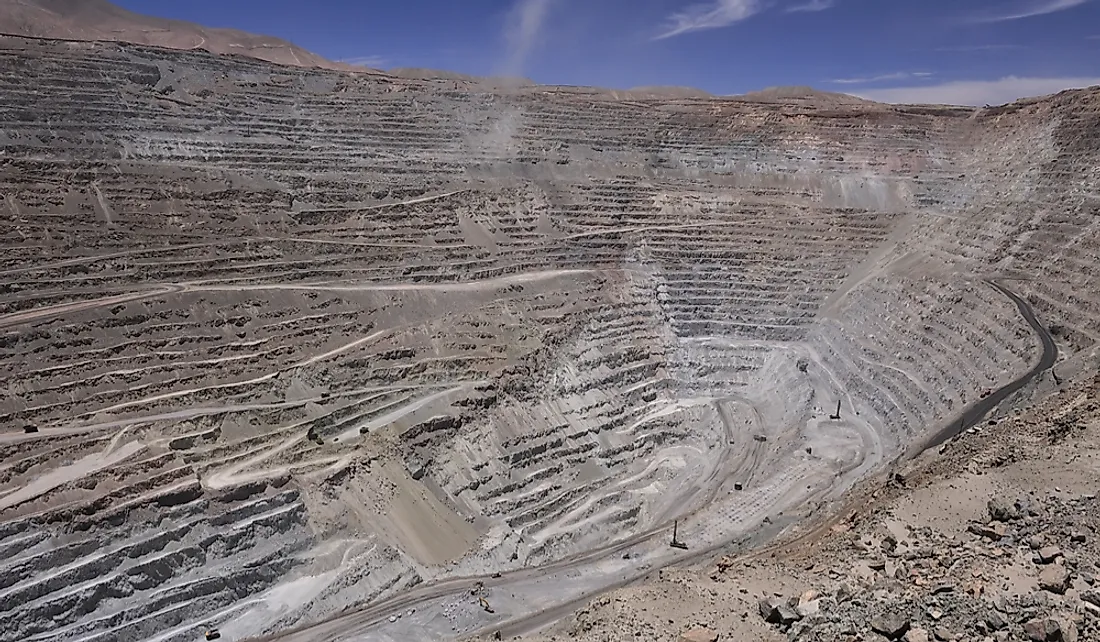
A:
310,354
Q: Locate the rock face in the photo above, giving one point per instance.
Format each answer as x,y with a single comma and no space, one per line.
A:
294,340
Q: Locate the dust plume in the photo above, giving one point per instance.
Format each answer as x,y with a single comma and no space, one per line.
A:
522,31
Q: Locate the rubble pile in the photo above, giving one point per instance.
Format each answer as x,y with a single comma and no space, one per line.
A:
1028,572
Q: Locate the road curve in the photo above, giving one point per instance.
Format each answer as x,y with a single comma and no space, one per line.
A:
970,416
359,618
982,407
377,612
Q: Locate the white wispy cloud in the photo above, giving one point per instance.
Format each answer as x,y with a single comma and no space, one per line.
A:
974,48
375,62
866,80
812,5
1028,9
977,92
522,30
710,15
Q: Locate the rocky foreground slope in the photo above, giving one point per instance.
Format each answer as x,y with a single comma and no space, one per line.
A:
280,342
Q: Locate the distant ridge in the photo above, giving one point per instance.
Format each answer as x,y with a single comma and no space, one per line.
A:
102,20
669,92
802,94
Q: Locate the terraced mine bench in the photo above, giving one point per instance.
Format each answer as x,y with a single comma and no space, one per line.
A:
288,342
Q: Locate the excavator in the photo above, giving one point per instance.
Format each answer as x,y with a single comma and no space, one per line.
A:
676,543
485,604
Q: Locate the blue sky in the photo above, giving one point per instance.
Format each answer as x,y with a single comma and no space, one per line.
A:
956,51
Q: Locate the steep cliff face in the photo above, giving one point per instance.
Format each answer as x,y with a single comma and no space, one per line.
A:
343,334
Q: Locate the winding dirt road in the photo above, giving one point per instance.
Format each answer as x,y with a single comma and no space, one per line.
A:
979,409
356,622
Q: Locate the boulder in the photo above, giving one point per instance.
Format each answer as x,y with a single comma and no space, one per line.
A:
1050,630
777,611
845,591
892,625
699,634
993,531
1002,510
1048,554
943,587
1054,578
917,635
1069,630
809,609
1041,630
1092,597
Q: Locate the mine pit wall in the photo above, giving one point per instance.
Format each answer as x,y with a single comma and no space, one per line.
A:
1038,215
649,274
1026,194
